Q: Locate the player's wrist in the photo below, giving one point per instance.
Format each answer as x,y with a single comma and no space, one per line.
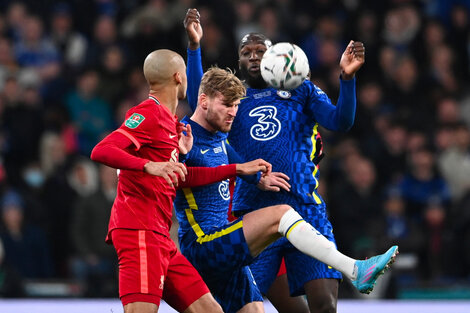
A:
193,45
146,166
345,76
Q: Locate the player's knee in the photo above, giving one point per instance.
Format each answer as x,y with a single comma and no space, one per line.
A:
278,213
282,209
323,303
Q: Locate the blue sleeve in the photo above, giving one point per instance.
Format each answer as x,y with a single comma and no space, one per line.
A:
339,117
234,157
194,73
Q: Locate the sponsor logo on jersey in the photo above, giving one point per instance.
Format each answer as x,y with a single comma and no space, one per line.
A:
319,91
174,155
267,126
134,120
218,150
172,136
204,151
263,94
284,94
224,190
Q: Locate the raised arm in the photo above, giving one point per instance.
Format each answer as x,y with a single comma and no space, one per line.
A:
194,64
341,117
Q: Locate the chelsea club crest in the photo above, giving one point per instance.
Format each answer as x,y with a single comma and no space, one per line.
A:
283,94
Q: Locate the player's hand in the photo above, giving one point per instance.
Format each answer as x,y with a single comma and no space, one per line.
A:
185,141
168,170
274,181
253,167
352,59
193,27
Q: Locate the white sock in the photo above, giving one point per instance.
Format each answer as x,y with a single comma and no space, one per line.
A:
310,241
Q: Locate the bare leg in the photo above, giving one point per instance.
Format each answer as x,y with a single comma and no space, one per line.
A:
279,296
322,295
252,307
140,307
260,227
205,304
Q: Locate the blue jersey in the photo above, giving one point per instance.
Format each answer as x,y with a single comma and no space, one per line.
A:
204,229
282,128
201,208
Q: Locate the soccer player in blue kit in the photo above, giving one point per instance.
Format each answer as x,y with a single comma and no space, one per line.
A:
282,128
220,250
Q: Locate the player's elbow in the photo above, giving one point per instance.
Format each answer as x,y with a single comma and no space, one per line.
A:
96,154
344,125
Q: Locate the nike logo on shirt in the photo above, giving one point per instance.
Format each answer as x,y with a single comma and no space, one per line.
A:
172,136
204,151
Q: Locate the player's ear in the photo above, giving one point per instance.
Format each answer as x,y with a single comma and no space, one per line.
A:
178,78
203,101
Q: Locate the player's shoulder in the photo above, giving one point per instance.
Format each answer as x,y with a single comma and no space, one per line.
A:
140,113
309,88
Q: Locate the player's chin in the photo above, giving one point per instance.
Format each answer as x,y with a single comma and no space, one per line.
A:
255,73
226,128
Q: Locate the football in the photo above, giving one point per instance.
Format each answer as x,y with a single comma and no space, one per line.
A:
284,66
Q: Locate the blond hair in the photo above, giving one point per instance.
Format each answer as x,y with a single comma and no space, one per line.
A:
217,80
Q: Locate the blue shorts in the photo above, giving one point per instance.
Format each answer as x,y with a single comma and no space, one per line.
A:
300,267
222,257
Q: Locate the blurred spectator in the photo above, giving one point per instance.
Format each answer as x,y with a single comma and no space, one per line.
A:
17,14
355,206
447,111
23,123
423,184
401,25
437,264
94,259
26,247
246,21
33,49
105,35
58,197
395,227
391,158
71,44
113,74
11,283
460,30
454,162
91,116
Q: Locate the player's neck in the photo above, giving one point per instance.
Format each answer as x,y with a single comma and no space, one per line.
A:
167,98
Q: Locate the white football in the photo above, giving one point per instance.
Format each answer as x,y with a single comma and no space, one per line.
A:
284,66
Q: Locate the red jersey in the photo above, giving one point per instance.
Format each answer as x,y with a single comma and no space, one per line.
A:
145,201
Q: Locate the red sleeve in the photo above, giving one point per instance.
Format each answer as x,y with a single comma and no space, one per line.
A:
111,152
199,176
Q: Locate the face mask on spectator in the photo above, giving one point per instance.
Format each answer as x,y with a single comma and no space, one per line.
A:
34,178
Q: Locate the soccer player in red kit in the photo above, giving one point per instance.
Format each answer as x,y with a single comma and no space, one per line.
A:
146,149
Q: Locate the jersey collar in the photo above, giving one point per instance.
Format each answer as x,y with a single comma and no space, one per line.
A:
152,97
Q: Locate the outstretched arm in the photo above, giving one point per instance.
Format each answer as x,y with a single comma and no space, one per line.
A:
341,117
200,176
194,69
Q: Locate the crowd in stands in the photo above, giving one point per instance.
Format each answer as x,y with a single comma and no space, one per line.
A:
69,70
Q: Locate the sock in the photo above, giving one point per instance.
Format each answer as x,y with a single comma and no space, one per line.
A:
310,241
